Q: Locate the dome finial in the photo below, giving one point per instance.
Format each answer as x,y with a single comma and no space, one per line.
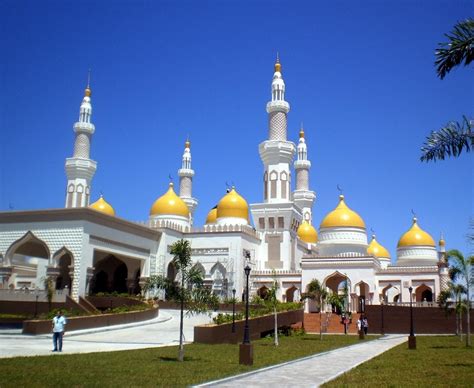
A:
341,196
373,233
88,91
277,63
414,216
441,241
187,144
301,131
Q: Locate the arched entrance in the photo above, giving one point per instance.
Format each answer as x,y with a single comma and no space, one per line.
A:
262,292
64,279
110,275
219,280
362,291
171,272
340,286
424,294
290,294
29,258
391,294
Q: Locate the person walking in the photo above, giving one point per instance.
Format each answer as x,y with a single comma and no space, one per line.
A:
365,325
58,327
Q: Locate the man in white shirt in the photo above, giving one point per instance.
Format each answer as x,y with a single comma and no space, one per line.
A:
59,323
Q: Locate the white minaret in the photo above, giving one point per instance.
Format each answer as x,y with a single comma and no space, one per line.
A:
303,196
276,152
186,174
80,169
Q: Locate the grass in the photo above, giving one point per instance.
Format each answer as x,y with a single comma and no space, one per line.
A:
157,366
437,362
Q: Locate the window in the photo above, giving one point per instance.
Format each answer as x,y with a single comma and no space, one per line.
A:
261,223
281,222
271,223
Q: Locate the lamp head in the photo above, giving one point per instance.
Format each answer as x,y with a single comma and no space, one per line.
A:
247,270
410,289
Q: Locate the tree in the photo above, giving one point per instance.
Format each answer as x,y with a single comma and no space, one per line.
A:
454,138
318,293
454,292
189,292
461,272
272,301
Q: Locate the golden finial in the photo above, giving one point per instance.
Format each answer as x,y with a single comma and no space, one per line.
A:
441,242
301,131
187,144
277,63
88,90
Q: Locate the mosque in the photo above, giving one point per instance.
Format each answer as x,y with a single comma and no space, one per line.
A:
85,248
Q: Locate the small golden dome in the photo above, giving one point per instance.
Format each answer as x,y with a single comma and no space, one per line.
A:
416,236
101,205
278,67
187,144
233,205
212,216
377,250
87,92
169,204
307,233
441,241
342,215
301,133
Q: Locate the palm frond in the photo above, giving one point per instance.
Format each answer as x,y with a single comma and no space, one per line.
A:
450,140
458,49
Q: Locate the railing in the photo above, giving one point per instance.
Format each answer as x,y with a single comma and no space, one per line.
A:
27,295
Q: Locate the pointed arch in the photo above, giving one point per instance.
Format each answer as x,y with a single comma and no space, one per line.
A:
424,293
199,267
28,245
218,268
60,253
334,280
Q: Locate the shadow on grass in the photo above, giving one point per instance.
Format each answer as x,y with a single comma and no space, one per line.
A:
463,364
443,347
186,358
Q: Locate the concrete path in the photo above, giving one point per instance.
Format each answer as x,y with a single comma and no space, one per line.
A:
161,331
314,370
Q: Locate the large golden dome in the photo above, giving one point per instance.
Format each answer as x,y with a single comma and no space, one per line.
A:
101,205
233,205
169,204
416,237
342,215
307,233
212,216
377,250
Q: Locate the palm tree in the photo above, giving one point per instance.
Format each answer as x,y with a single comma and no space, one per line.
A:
190,292
461,272
454,138
318,293
454,292
272,301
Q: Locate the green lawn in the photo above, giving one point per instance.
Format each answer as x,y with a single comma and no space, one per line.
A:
437,362
157,366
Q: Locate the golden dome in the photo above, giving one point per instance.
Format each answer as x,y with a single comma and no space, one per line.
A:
187,144
233,205
342,215
278,67
101,205
301,133
377,250
87,92
307,233
212,216
441,242
416,236
169,204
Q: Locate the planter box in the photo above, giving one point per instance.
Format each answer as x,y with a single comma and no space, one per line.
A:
91,321
218,334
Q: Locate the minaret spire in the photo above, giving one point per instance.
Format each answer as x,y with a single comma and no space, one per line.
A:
303,196
80,169
186,174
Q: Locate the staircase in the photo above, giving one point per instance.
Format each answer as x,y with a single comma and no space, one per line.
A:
331,323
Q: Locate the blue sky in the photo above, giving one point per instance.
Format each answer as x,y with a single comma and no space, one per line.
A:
360,75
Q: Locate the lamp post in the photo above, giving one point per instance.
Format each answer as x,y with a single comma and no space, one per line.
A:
246,348
411,338
233,310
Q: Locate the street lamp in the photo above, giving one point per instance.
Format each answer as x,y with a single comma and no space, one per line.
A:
411,338
233,310
246,349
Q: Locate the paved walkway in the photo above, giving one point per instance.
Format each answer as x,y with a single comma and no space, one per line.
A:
314,370
161,331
